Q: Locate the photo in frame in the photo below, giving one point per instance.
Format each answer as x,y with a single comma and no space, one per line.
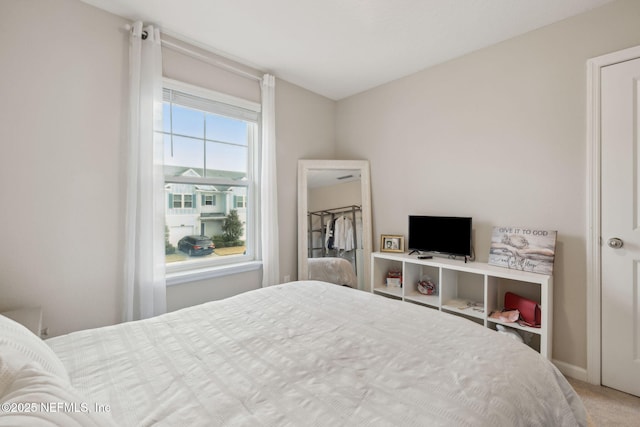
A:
391,243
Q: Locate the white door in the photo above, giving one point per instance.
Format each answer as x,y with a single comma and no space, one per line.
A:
620,216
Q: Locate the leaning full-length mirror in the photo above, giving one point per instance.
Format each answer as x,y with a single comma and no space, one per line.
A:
334,222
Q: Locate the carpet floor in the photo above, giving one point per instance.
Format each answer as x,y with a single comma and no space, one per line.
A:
606,406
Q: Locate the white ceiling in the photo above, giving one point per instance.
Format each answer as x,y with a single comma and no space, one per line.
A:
325,177
338,48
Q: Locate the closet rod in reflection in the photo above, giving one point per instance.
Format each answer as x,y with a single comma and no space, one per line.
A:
337,210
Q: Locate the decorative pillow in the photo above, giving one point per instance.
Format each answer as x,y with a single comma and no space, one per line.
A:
28,348
33,396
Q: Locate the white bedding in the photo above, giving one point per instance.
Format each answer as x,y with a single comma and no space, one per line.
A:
315,354
332,270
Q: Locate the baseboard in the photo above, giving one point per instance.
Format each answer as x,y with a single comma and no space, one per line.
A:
572,371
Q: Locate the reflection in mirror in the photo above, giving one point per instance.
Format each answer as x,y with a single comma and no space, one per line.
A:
334,221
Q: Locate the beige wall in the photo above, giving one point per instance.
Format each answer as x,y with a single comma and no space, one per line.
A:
64,82
305,128
498,135
201,71
64,85
334,196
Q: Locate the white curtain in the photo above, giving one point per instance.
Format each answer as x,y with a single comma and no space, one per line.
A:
268,186
144,281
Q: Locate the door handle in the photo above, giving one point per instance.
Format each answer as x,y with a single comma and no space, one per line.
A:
615,243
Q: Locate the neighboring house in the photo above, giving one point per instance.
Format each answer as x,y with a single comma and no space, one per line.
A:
202,209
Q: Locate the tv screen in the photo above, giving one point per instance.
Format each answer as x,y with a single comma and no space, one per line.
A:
444,234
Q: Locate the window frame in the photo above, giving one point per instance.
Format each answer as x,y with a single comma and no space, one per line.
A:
182,199
175,197
190,270
240,200
213,200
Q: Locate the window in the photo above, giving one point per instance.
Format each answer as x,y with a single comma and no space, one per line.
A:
241,201
180,201
208,200
187,201
210,167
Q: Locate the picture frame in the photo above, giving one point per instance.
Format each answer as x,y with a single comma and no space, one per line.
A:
391,243
523,248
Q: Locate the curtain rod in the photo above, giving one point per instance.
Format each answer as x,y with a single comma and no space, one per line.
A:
197,55
211,61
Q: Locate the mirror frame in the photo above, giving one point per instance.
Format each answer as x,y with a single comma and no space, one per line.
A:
365,185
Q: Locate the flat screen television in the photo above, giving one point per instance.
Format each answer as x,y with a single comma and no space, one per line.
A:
449,235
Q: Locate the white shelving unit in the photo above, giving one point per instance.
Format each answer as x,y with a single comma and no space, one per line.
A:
472,289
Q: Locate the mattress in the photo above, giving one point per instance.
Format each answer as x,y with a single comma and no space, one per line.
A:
314,354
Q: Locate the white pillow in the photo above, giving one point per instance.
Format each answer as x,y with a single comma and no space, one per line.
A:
32,396
510,332
20,342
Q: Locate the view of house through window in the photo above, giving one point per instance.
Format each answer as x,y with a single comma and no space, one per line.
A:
208,180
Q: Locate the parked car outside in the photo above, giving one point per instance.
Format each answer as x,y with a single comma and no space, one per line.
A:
196,245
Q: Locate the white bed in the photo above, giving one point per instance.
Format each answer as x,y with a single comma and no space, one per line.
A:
332,270
301,354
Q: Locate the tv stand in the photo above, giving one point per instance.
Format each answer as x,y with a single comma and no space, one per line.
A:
471,290
429,255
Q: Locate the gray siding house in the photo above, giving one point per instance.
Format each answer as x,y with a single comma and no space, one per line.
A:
202,209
